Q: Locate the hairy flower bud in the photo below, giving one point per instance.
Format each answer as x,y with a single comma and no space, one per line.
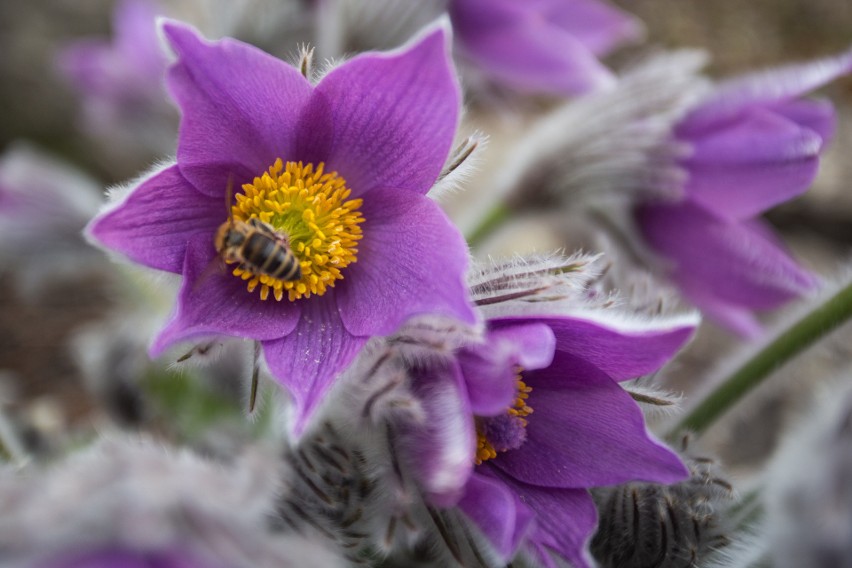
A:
666,526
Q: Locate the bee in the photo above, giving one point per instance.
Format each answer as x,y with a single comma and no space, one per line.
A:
256,247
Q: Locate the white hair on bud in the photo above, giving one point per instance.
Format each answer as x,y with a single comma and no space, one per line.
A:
135,494
613,144
654,400
666,526
462,164
531,278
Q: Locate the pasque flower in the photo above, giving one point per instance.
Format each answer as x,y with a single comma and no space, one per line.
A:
542,46
752,143
521,425
339,170
538,46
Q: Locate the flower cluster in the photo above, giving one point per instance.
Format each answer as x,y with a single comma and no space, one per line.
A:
425,405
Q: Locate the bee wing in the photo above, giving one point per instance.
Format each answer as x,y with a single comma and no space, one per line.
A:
216,264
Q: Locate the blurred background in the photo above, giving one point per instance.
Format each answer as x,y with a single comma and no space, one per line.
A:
42,377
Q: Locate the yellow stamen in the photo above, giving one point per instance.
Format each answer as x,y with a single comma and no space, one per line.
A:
313,210
519,410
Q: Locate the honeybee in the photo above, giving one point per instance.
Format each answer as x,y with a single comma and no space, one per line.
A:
256,247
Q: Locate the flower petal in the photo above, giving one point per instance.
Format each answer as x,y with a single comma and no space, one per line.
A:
240,106
217,303
817,115
585,431
442,448
744,168
765,88
308,360
154,222
498,513
490,370
623,350
394,116
411,261
565,520
524,49
731,261
598,25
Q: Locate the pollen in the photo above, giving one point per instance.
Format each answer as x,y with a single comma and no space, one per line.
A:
310,208
507,431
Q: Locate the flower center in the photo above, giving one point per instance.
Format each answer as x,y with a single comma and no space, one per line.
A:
310,234
506,431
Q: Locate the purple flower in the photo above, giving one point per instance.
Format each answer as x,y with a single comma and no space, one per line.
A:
542,46
543,418
340,169
753,144
119,76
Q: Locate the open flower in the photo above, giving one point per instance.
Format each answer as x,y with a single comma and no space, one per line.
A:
542,46
753,143
334,175
520,426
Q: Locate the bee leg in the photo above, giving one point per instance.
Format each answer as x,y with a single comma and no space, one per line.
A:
255,376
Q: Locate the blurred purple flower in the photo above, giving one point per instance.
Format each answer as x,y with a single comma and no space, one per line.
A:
373,249
122,76
121,81
753,143
542,46
119,558
541,411
44,204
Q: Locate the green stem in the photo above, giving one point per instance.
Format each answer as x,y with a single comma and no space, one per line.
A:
488,224
799,336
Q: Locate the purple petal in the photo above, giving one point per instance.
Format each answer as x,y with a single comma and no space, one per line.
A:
134,24
240,106
815,115
500,515
585,431
752,164
441,449
734,317
523,48
411,261
622,350
308,360
565,520
765,88
598,25
490,370
218,303
154,223
731,261
394,116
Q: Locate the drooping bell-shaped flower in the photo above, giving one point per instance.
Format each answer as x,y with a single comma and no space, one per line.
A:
752,143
